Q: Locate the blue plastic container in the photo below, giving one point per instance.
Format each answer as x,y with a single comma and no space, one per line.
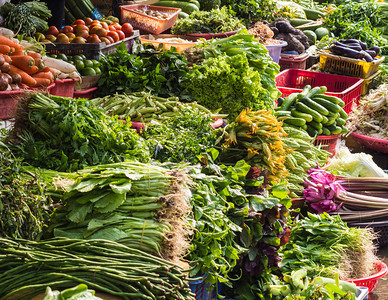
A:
275,50
200,289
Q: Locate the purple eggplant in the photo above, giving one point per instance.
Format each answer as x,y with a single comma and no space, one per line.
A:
375,49
367,57
363,45
351,41
343,51
371,53
354,46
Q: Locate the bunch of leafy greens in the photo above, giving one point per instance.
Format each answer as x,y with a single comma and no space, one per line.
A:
258,59
214,21
358,21
182,137
227,83
66,134
252,11
25,207
147,69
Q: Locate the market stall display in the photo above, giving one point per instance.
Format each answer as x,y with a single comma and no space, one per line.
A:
183,167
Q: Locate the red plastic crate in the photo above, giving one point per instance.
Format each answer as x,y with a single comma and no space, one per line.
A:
327,142
344,87
64,87
293,61
9,100
88,93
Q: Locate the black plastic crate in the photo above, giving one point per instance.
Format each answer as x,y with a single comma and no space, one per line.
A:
91,51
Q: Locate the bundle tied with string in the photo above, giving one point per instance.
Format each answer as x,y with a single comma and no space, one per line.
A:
139,205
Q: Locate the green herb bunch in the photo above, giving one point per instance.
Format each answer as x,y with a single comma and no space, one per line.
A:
214,21
159,72
25,207
66,134
227,83
182,137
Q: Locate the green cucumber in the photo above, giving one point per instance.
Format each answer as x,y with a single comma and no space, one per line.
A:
304,92
304,127
289,101
312,131
298,114
282,113
343,114
325,131
315,106
305,109
333,99
295,121
320,131
315,125
334,129
313,92
280,101
324,119
328,105
184,6
298,22
333,115
330,121
344,130
182,15
340,122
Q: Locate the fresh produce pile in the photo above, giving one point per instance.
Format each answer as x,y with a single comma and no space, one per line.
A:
84,66
68,134
26,17
78,10
25,204
135,204
187,6
144,70
104,265
324,245
182,137
214,21
312,110
354,48
296,40
370,118
86,31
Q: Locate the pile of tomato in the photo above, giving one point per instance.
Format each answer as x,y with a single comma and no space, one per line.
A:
87,31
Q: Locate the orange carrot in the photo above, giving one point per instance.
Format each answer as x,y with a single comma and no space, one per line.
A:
32,71
4,49
18,52
35,55
7,58
24,62
46,75
46,69
6,41
42,82
27,79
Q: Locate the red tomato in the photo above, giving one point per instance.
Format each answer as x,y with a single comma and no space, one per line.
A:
88,21
79,22
66,29
121,34
93,38
127,29
114,35
116,26
53,31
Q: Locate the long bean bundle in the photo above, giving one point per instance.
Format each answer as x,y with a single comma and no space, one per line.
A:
27,268
137,204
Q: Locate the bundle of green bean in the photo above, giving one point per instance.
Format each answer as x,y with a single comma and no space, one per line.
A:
28,267
140,106
132,203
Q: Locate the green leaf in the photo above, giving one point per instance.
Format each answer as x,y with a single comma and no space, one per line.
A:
280,191
78,212
121,189
109,203
246,236
109,233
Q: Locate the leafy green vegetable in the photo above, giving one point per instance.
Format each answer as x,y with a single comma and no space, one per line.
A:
80,291
25,207
214,21
182,137
159,72
68,134
227,83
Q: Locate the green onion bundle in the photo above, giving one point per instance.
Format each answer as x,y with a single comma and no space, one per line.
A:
28,267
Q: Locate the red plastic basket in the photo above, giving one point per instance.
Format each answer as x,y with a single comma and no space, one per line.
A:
370,282
327,142
344,87
209,36
9,99
293,61
87,93
64,87
148,23
376,144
